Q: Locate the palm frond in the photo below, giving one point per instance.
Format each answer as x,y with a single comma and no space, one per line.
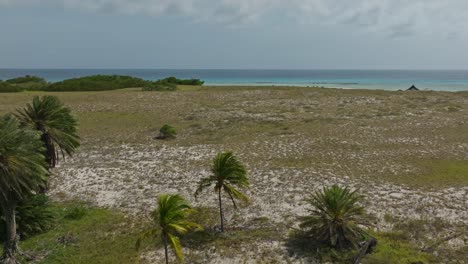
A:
55,123
235,194
170,218
22,164
334,216
145,235
176,246
204,183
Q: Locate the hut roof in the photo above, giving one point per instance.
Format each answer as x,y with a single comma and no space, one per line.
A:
413,88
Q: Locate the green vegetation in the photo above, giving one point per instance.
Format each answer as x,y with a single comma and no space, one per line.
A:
335,216
26,79
167,132
174,80
159,86
26,83
75,212
390,249
33,216
170,84
23,171
170,221
97,83
394,248
227,173
93,83
9,88
99,236
58,128
437,173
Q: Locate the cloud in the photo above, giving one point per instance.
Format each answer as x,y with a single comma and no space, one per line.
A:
389,17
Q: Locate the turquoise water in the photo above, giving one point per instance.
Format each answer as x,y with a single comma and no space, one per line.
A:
441,80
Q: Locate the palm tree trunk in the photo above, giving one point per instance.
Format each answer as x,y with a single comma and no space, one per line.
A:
10,246
221,210
165,248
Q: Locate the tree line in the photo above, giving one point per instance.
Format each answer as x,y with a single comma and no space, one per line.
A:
93,83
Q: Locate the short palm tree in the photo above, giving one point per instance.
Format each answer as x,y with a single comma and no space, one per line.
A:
227,173
170,219
335,216
56,125
22,171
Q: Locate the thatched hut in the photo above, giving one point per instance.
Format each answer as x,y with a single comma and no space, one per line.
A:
412,88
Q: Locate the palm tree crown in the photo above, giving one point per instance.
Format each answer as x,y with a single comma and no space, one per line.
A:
170,218
56,124
22,171
227,172
335,217
21,161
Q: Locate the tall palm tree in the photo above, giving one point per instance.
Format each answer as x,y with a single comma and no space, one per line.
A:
22,171
227,172
56,124
335,216
170,219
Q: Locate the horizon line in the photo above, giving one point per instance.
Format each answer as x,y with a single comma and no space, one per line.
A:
247,69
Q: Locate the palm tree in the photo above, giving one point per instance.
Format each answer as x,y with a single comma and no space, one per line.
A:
22,171
170,219
227,173
56,125
335,216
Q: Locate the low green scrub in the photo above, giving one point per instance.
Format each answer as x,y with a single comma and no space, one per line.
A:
33,216
98,236
97,83
93,83
9,88
393,248
167,132
159,86
439,173
75,212
26,79
176,81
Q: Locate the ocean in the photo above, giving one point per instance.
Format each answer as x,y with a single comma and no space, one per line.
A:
440,80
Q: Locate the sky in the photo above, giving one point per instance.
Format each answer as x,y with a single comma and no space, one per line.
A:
234,34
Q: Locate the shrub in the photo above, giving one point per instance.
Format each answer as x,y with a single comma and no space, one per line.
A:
159,86
26,79
167,132
335,216
9,88
97,83
33,216
75,212
174,80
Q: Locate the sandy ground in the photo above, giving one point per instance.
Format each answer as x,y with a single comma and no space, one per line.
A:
389,145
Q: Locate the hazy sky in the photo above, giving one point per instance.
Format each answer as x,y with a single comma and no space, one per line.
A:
230,34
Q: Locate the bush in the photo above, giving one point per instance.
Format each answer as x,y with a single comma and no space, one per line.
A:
75,212
334,217
33,216
26,79
97,83
167,132
159,86
9,88
174,80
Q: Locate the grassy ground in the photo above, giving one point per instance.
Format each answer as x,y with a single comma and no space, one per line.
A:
84,234
405,151
90,235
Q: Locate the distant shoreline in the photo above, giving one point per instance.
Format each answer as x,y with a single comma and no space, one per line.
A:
392,80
